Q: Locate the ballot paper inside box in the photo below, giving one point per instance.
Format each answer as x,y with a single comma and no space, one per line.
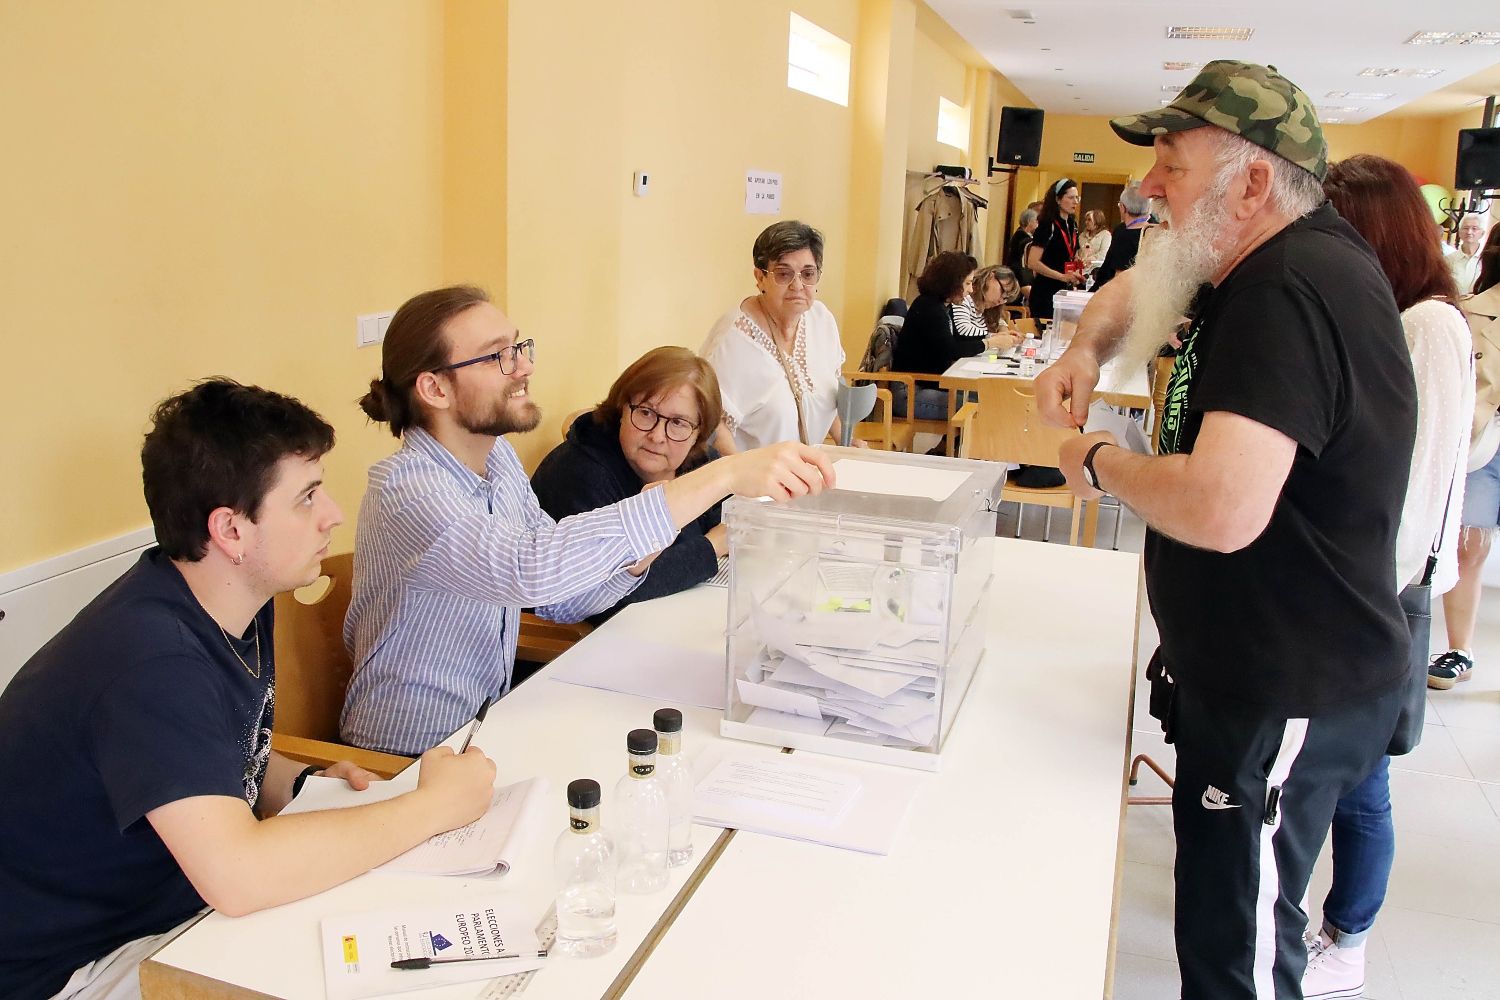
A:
856,618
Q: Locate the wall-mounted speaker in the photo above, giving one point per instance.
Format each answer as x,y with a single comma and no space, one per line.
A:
1478,159
1020,137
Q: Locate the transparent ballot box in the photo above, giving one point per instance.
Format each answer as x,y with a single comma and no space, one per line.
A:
857,617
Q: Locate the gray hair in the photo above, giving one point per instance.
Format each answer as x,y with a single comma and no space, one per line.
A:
781,238
1028,217
1295,192
1132,201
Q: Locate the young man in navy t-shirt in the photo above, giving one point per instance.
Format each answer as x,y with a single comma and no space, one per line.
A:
137,780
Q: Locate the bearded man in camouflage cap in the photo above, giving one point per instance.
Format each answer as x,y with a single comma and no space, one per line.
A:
1272,506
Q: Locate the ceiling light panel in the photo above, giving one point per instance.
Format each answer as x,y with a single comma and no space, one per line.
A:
1411,74
1178,66
1455,38
1211,34
1357,95
1337,109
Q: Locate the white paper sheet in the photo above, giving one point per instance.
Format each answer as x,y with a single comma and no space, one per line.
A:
777,788
669,674
886,479
778,699
871,822
488,844
1103,417
358,948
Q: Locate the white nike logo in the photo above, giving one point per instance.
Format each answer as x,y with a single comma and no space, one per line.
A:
1213,798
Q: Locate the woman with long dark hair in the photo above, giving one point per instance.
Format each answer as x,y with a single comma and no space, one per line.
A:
1053,246
1381,200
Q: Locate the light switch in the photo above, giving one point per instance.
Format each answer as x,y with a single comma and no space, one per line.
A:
369,329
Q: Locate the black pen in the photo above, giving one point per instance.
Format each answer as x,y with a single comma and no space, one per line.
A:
427,963
484,706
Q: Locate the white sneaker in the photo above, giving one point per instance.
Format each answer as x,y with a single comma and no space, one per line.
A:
1333,973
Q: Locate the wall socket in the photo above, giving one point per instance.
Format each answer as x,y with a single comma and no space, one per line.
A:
369,330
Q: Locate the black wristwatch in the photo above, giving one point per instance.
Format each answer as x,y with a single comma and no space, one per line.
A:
1089,474
308,772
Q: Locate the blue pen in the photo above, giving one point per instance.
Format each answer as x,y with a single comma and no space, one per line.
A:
484,707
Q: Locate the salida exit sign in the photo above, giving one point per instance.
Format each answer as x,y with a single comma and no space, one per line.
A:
1083,157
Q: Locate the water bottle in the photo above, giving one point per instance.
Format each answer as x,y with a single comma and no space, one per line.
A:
585,862
641,818
676,773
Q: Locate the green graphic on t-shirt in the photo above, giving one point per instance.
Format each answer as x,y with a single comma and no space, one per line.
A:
1174,413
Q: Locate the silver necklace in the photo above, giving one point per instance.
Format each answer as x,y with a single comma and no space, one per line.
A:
253,673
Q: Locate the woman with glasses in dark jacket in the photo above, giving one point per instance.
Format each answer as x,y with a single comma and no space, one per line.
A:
654,425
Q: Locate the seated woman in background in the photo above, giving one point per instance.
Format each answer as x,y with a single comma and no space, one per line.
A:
929,341
995,287
654,425
777,354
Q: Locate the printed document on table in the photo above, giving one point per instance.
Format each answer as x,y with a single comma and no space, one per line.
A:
358,948
489,844
851,806
887,479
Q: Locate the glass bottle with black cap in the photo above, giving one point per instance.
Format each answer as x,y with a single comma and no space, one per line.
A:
676,774
642,818
585,860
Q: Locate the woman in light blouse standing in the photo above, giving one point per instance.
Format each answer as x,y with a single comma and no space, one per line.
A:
1094,240
777,354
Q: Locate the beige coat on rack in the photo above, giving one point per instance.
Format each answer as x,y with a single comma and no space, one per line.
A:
945,216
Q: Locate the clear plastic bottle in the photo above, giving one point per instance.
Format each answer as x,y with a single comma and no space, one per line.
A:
641,818
675,772
585,860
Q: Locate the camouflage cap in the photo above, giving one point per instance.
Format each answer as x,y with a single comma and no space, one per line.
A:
1254,102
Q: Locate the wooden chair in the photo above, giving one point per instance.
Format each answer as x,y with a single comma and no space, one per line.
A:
312,673
542,641
1161,374
1015,312
567,423
888,432
1025,326
1005,427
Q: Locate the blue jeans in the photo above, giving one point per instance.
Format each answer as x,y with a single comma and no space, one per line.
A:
932,404
1364,845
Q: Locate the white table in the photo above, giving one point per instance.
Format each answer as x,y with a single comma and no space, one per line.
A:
1001,882
1005,876
1128,388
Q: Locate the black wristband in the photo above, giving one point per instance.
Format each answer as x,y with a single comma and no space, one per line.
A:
1089,472
301,779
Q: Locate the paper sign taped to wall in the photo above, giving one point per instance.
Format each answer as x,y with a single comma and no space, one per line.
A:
762,193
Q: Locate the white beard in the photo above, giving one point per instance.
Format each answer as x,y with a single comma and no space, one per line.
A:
1174,262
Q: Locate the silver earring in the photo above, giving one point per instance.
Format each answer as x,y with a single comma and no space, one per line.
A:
239,559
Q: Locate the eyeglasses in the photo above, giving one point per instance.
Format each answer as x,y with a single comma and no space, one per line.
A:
645,419
783,275
527,347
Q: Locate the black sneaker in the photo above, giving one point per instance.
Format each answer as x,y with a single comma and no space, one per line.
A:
1447,669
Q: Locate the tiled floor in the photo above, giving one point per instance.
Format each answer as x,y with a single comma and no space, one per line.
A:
1438,937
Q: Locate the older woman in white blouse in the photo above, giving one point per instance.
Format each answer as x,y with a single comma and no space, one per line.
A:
777,354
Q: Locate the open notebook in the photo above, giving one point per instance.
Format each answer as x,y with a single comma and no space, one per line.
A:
486,845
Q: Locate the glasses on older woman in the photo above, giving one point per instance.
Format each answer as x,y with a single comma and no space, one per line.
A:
783,275
645,419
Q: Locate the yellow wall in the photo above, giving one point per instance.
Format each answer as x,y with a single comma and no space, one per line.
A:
214,189
195,189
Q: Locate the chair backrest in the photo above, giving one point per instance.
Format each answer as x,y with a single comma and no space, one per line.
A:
1008,428
1024,326
567,423
1161,374
312,668
854,404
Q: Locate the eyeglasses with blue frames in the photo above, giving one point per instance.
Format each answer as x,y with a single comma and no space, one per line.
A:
645,419
526,347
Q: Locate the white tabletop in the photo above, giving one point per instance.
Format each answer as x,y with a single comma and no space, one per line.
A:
1009,851
1002,881
1113,381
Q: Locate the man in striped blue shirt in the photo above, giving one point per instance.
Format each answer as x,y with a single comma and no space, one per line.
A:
451,541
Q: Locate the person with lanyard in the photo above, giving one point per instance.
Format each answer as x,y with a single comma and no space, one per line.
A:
1125,243
1053,246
